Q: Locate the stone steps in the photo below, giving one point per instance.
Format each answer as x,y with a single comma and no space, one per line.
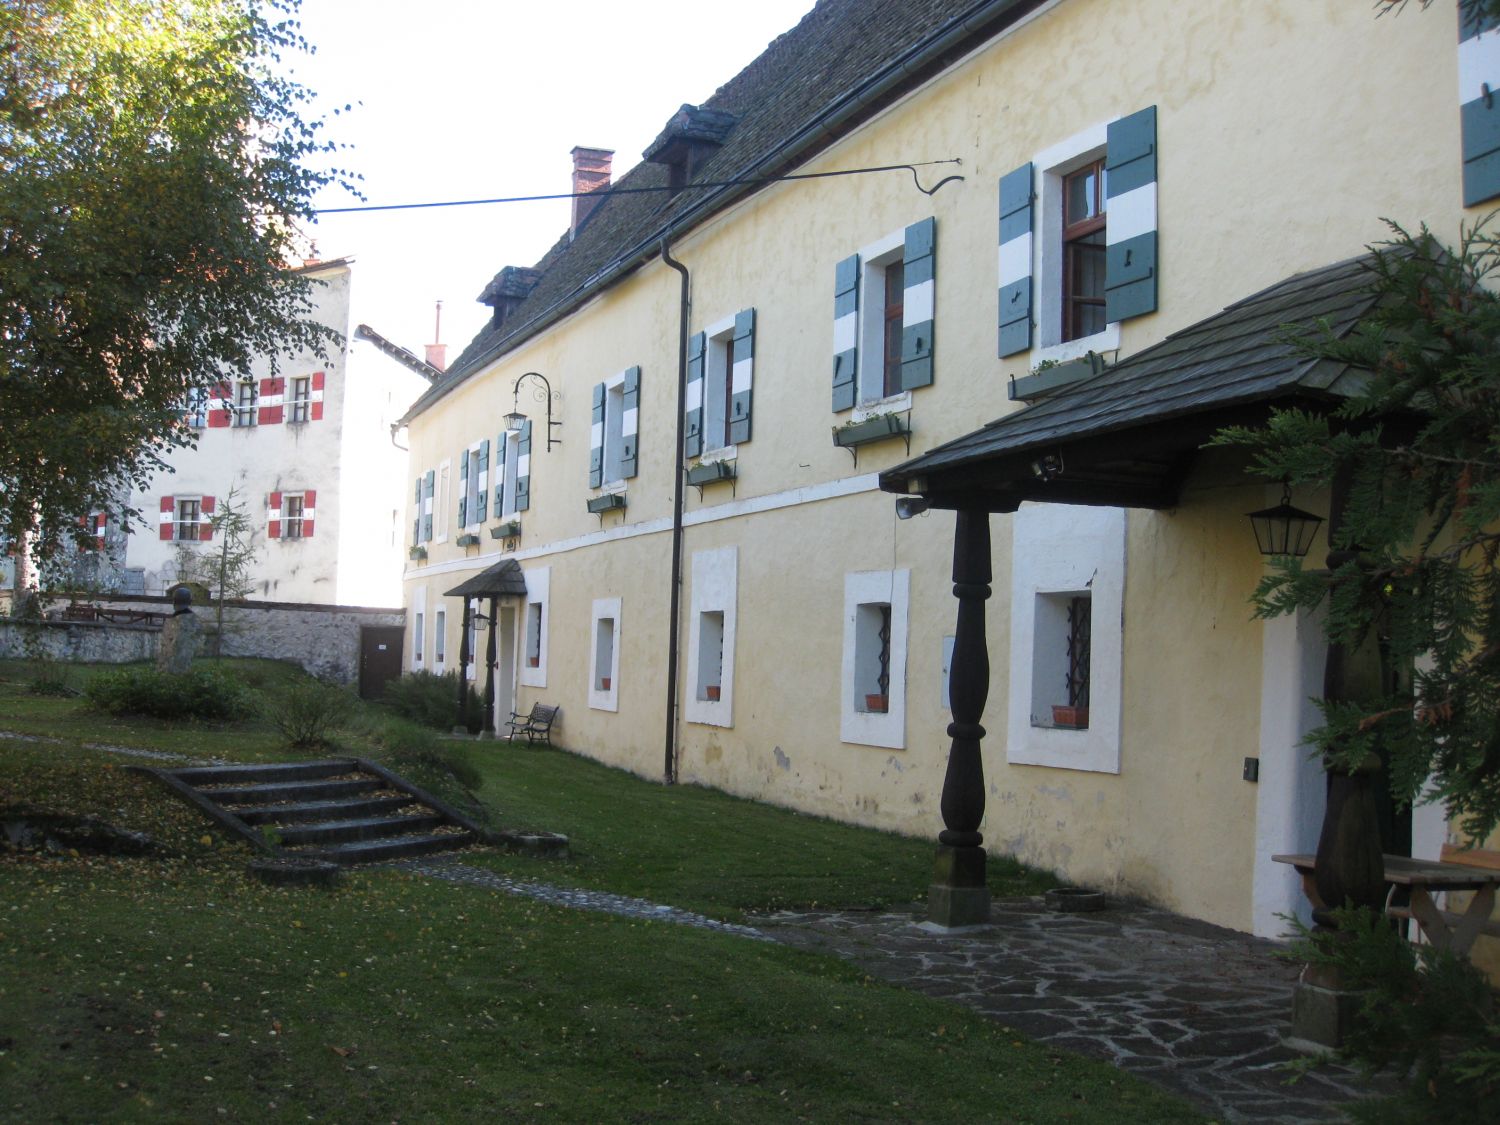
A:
340,810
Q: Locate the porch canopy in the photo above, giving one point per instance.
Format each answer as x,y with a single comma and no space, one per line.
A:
1127,436
505,577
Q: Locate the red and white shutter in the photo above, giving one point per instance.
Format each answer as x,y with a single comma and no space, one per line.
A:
316,398
272,394
309,501
220,416
273,516
205,510
164,520
101,520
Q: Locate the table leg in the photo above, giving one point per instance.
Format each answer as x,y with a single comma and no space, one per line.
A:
1472,923
1431,919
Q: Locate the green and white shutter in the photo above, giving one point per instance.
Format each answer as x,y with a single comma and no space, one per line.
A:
918,293
1130,266
482,489
428,484
596,439
1017,208
845,332
692,409
416,516
741,376
1479,101
630,421
498,476
523,467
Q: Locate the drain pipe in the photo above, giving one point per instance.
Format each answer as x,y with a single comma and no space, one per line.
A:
675,611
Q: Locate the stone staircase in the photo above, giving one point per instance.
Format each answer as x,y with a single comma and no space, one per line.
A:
339,810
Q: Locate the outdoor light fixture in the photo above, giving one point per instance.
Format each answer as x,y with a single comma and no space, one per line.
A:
1048,466
515,418
1284,530
908,506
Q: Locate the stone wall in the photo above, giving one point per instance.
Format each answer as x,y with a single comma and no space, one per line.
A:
323,639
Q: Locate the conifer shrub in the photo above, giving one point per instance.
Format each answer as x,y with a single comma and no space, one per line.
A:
199,693
431,700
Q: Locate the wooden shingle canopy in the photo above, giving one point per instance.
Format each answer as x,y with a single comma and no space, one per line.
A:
497,581
1128,435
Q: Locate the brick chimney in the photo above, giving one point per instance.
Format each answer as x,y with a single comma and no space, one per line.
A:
591,169
437,352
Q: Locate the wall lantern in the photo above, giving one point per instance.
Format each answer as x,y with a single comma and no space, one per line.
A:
515,418
1284,530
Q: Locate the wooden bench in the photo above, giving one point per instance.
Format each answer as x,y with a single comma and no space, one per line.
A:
536,726
1469,857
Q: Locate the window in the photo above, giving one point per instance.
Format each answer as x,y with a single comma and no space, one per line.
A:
1066,644
721,370
1083,251
439,638
473,475
615,428
604,655
197,408
416,656
533,672
291,515
711,639
1068,277
440,505
883,318
299,408
245,397
873,689
185,526
472,669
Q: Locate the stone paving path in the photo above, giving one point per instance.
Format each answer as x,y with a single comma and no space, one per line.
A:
1195,1008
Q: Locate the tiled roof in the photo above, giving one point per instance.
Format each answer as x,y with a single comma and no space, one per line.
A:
1233,359
841,62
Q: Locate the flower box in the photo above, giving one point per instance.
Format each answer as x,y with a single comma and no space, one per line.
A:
468,539
607,502
706,472
417,554
876,428
506,530
1075,718
877,703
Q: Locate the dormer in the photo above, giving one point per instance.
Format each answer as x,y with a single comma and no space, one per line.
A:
693,134
507,289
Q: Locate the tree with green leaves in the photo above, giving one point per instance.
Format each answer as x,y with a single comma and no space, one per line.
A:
226,572
154,163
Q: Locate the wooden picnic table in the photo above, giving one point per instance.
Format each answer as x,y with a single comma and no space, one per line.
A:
1425,878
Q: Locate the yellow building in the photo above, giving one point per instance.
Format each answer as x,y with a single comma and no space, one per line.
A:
903,221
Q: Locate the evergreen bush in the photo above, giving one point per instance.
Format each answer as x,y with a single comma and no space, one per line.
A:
309,711
430,700
200,693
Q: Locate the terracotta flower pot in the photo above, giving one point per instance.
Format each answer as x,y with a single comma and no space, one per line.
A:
1074,717
604,683
877,703
711,692
534,661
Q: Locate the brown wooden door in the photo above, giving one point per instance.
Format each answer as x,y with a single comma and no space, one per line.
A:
379,658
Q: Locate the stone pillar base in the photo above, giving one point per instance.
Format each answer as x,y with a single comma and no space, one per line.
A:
958,895
1322,1011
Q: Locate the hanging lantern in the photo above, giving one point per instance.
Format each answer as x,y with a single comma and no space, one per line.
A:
1284,530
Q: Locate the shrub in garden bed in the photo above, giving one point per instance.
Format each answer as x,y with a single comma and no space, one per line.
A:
309,711
201,693
429,699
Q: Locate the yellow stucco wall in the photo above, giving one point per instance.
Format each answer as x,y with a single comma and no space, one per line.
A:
1286,130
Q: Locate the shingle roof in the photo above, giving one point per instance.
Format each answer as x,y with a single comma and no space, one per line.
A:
841,62
500,580
1236,358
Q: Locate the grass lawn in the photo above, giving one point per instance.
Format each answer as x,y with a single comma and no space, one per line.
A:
173,988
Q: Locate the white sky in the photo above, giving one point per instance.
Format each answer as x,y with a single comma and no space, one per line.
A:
464,99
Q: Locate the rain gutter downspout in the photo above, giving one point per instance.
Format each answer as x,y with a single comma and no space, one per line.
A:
823,130
675,611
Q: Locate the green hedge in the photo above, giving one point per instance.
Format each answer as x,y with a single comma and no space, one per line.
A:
432,700
200,693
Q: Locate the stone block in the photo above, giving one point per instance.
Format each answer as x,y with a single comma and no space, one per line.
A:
957,906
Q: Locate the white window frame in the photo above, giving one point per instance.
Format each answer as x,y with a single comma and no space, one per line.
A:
870,396
471,669
286,514
538,595
509,456
612,436
601,698
718,382
420,623
440,501
299,403
197,408
715,578
245,413
1052,165
178,523
857,725
1059,550
439,640
470,480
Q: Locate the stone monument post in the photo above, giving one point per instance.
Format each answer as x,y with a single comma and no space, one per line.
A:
179,634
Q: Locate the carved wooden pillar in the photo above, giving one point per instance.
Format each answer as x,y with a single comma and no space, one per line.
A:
958,895
488,728
461,724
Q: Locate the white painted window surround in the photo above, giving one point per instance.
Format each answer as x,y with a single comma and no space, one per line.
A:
534,623
610,434
439,640
1052,165
1062,549
509,462
711,641
604,655
873,260
864,590
718,378
440,504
